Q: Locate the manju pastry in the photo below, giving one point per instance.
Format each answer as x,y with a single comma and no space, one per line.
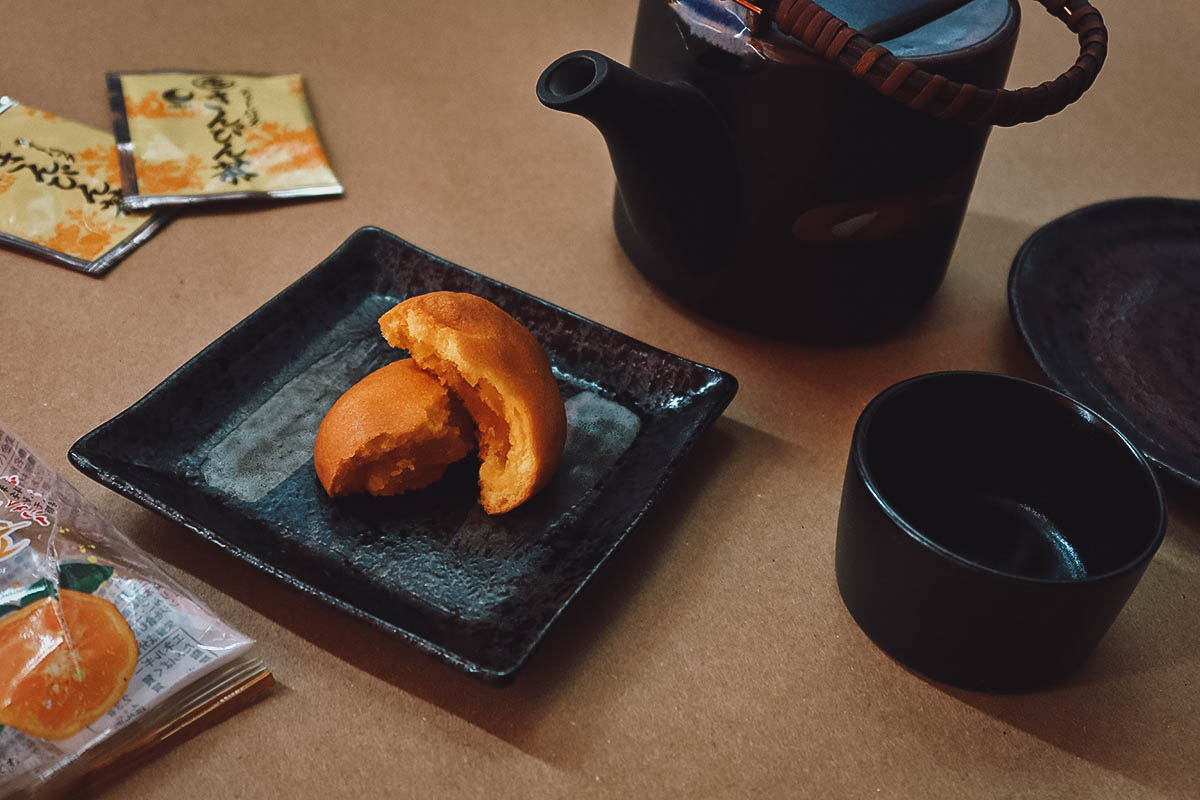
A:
397,429
498,369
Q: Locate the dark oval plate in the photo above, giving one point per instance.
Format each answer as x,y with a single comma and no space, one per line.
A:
224,447
1107,298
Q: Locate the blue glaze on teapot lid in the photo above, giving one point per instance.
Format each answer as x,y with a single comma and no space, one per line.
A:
881,20
909,28
969,25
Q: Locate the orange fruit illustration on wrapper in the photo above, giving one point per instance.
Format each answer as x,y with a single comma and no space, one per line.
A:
65,661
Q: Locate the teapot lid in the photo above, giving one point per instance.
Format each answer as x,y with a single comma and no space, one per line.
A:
911,29
881,20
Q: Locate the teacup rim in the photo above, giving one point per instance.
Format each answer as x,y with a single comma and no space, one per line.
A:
859,461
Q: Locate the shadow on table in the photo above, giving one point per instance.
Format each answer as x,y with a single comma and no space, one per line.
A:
1134,707
557,675
1015,356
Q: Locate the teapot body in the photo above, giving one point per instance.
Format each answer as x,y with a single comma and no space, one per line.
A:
846,206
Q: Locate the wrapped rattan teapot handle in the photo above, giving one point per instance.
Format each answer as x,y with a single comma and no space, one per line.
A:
907,83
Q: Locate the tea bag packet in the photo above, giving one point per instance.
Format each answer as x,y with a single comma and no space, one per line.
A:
60,191
102,654
187,138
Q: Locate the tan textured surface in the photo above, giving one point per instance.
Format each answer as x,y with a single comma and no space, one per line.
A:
714,657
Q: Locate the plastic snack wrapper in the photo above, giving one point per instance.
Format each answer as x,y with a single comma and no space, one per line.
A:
60,191
187,138
103,658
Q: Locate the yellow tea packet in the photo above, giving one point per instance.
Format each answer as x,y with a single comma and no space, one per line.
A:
187,138
60,191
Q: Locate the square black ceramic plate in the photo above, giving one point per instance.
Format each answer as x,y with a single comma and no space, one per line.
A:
224,447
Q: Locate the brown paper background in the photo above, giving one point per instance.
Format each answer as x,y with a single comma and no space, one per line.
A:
713,657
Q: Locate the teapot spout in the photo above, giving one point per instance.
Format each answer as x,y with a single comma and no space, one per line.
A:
671,151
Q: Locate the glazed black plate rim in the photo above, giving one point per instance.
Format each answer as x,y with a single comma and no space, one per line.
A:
1022,264
84,455
82,462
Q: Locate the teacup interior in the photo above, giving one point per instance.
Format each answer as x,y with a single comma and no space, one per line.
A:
1010,476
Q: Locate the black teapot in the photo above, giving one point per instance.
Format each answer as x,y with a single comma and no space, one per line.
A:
769,187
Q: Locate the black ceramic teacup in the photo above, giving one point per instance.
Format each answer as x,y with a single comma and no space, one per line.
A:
991,529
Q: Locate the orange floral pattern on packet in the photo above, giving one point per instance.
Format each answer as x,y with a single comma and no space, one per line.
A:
101,162
299,149
166,177
36,114
82,235
152,106
7,181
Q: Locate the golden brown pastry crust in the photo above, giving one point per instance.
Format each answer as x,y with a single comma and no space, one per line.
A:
397,429
498,369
